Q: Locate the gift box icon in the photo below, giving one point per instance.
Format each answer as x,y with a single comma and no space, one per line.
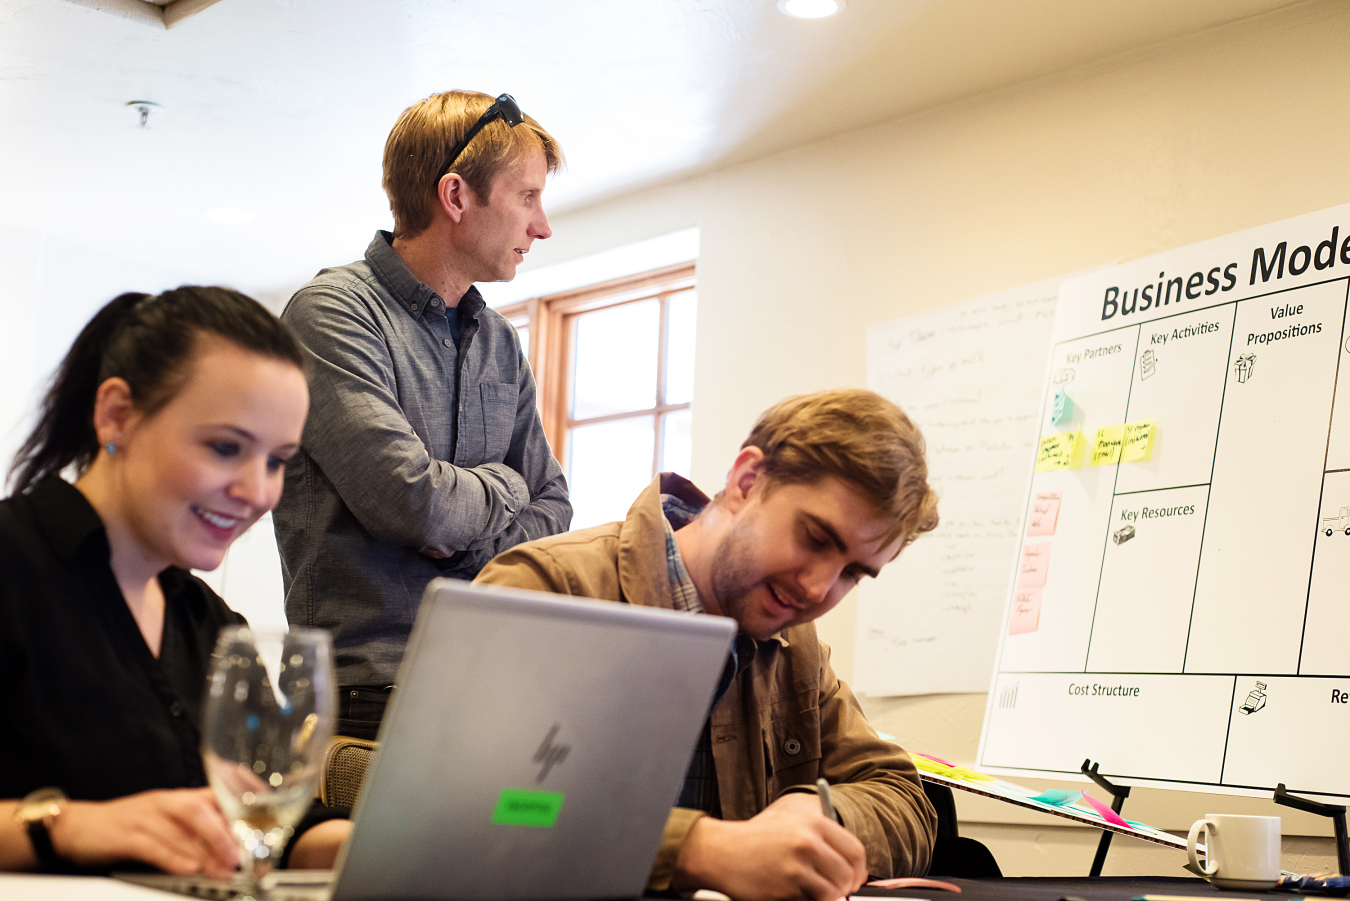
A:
1244,366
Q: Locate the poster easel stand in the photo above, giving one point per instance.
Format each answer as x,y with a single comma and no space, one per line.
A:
1118,795
1335,811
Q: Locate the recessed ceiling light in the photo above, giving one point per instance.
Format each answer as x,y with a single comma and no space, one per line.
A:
229,215
810,9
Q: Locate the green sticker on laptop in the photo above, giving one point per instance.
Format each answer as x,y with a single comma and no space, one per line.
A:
518,807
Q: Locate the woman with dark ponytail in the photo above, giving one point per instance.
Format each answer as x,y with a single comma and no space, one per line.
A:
174,415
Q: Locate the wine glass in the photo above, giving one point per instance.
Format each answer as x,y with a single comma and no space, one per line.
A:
266,724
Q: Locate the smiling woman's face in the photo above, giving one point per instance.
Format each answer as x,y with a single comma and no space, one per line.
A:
195,475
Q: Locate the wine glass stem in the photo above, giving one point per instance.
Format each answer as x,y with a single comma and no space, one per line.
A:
251,872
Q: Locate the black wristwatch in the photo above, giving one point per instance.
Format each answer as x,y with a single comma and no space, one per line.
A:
36,813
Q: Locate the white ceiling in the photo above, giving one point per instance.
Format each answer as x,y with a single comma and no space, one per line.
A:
281,107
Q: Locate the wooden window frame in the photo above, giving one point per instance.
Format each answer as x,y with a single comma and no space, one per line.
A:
551,350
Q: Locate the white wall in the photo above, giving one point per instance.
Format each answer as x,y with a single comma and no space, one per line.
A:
802,250
50,290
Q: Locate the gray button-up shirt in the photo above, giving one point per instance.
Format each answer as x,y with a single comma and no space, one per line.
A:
420,457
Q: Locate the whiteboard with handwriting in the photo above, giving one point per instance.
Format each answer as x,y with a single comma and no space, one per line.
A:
970,376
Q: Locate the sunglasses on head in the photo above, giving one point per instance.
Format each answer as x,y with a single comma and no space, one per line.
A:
504,108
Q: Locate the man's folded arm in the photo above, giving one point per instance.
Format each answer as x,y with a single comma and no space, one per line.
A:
874,785
549,512
360,438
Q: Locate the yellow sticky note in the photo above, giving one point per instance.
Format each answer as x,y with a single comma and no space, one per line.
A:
1106,450
929,765
1074,450
1138,441
1047,458
1063,450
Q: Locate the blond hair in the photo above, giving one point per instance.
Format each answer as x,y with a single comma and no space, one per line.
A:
859,437
419,147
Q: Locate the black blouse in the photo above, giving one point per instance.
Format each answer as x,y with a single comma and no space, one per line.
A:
88,708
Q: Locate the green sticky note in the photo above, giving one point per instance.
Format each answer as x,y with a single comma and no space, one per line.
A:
1106,450
1138,441
518,807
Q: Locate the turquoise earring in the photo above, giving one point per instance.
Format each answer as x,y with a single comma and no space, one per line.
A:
111,449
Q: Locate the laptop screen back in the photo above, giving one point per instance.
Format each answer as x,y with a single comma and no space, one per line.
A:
533,748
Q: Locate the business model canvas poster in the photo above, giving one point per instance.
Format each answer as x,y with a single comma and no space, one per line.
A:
1181,608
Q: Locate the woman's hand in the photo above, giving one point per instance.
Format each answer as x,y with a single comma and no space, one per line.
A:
177,830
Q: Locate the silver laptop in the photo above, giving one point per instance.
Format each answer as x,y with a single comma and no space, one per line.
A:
531,752
533,748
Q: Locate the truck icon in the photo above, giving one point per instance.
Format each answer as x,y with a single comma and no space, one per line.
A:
1333,524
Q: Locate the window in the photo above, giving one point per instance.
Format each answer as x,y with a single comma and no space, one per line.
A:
615,368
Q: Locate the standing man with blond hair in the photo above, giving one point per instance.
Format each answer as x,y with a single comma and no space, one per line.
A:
828,488
423,455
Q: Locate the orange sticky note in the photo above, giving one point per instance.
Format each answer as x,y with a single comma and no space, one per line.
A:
1026,612
1044,513
1035,565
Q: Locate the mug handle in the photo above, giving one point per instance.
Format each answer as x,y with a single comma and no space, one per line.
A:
1210,866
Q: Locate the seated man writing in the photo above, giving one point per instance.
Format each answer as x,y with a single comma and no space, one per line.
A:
828,488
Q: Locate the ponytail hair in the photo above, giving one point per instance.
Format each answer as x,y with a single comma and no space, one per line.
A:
150,341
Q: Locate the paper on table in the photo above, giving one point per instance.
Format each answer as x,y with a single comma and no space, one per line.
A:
1044,514
1026,611
1106,450
1080,811
1138,441
1035,565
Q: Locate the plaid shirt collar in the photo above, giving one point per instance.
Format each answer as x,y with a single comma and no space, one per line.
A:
679,514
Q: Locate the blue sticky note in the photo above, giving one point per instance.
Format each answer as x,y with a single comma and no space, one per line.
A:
1062,408
1057,797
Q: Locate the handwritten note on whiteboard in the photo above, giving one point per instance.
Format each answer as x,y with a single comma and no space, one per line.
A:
971,377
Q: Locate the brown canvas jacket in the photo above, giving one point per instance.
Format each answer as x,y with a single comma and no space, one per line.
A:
786,720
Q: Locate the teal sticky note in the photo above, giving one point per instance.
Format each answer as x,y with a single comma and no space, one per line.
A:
1061,408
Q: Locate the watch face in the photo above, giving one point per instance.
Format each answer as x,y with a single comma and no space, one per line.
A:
43,803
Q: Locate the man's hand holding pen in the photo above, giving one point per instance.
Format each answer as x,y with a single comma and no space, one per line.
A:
793,849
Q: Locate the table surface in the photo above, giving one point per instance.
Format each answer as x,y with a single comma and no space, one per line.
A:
92,888
1107,888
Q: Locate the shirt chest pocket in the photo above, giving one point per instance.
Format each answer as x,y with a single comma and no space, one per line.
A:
792,750
485,432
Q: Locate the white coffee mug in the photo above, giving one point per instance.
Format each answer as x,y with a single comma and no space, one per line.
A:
1241,852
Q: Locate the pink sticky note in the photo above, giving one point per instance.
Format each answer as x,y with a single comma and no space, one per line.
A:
936,759
1044,513
1026,612
1105,812
1035,565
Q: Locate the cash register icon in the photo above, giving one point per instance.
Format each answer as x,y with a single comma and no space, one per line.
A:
1256,699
